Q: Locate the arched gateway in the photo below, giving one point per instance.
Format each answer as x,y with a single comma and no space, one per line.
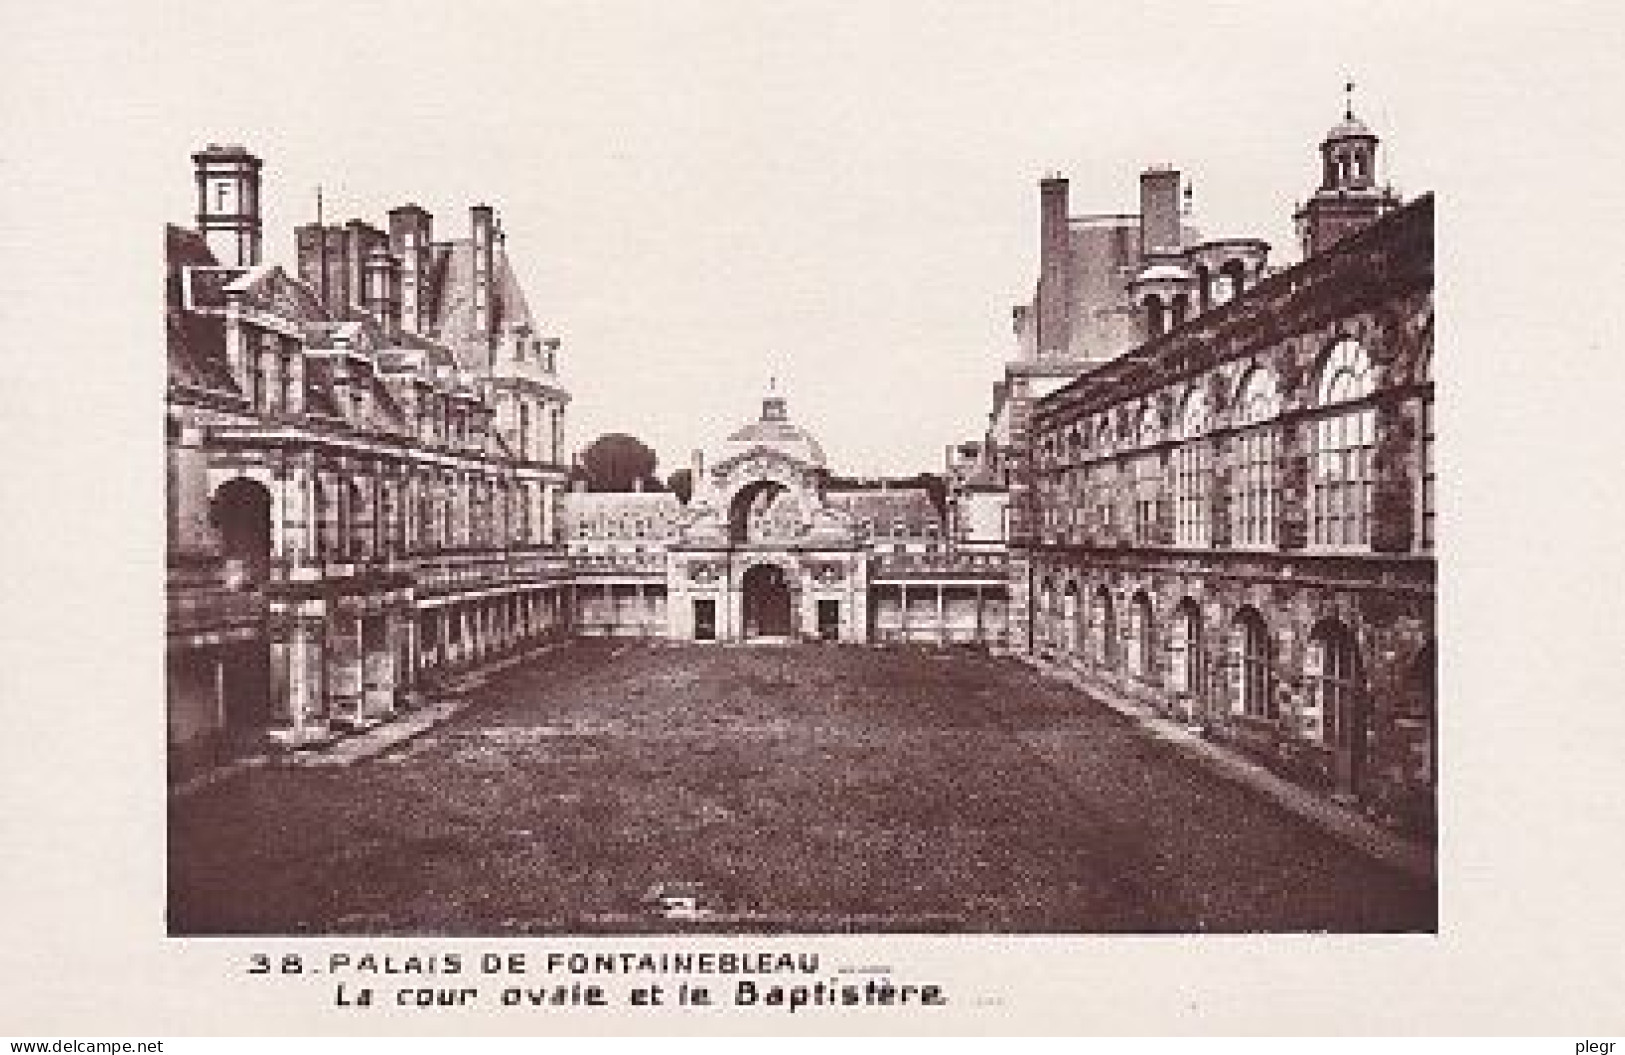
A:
759,551
771,545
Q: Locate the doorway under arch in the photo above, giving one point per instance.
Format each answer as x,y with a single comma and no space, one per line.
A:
240,512
766,592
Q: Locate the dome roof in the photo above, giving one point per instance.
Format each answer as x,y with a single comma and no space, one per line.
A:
775,431
1350,127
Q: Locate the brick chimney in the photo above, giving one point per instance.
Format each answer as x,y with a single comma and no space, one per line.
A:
1159,211
482,219
1054,266
411,231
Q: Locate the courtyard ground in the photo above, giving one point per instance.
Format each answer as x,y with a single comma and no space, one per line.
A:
771,789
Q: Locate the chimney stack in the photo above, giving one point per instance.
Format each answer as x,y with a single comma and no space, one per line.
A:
411,230
482,219
382,290
1054,266
1159,211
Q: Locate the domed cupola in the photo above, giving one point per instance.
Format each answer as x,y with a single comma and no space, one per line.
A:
776,432
1349,196
1349,155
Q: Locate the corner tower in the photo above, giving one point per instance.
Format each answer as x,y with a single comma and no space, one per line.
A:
228,203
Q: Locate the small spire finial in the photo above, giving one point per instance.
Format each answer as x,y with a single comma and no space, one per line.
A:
318,205
1348,100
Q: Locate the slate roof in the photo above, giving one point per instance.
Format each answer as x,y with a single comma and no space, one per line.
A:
881,509
196,344
452,282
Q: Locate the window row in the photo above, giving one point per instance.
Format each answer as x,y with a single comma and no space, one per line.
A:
1346,376
1240,674
1341,488
356,522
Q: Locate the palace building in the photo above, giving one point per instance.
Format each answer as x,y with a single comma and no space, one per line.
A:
1206,484
365,462
1230,515
366,486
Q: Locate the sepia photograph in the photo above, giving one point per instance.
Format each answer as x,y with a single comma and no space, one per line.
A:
1147,646
919,516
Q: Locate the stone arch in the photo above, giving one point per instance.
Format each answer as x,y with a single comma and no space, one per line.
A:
744,500
240,513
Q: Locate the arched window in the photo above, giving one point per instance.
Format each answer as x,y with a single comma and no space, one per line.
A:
1191,471
1185,649
1250,649
1142,638
1104,626
1345,435
524,429
1255,483
1336,696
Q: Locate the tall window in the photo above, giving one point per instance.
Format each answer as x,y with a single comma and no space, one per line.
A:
1147,478
1345,435
1251,648
1069,620
1185,649
1333,671
1142,637
1104,625
1191,471
426,518
1253,504
329,531
290,379
1426,533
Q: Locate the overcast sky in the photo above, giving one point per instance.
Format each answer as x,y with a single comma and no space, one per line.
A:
701,195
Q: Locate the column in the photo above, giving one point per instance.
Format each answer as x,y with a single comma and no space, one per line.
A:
942,616
344,687
979,617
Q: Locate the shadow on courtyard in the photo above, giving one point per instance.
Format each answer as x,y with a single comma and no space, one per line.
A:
627,788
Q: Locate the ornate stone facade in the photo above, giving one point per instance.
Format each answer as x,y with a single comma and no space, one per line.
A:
1233,520
772,546
357,503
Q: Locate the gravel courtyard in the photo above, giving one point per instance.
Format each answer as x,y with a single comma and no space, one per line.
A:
767,789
